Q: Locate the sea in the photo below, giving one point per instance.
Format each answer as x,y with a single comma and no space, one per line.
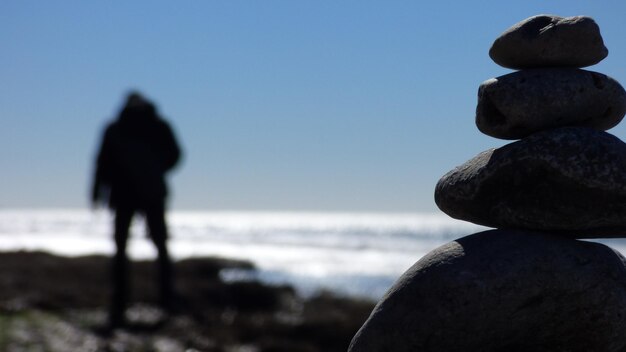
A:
351,254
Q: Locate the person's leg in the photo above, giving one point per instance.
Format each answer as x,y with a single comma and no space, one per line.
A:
123,218
155,219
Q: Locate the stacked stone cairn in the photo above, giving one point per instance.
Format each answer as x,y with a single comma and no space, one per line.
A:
530,284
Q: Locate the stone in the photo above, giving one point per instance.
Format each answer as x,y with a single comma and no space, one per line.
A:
550,41
516,105
570,180
504,291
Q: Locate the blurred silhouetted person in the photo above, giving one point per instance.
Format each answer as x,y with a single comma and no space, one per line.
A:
137,150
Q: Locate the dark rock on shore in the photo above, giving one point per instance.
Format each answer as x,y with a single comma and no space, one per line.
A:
550,41
516,105
59,304
570,180
504,291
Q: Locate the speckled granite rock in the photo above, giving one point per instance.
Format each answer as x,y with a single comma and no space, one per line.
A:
518,104
570,179
550,41
504,291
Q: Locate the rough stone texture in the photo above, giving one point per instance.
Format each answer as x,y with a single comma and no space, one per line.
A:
504,291
515,105
550,41
570,179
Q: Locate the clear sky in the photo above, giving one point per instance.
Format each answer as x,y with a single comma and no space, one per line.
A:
279,105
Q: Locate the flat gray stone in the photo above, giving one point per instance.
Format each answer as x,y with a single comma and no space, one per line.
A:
550,41
570,180
515,105
504,291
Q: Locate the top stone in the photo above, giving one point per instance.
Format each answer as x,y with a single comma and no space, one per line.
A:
550,41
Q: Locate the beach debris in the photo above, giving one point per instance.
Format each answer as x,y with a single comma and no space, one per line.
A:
529,285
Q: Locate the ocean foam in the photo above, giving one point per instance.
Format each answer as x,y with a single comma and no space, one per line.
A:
353,253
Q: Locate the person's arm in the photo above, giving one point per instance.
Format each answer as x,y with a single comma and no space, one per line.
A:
101,179
171,150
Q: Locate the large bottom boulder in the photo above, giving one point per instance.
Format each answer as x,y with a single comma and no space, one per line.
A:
504,291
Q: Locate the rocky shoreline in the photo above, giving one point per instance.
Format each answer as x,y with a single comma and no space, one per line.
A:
55,303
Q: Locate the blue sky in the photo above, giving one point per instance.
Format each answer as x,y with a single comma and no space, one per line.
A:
279,105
